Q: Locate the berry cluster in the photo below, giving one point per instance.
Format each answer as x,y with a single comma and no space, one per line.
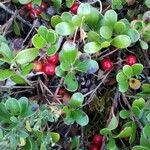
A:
48,67
35,10
96,142
107,64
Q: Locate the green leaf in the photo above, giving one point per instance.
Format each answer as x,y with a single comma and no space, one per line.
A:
52,50
119,27
92,47
106,32
147,3
69,3
24,1
5,74
145,135
123,86
126,132
6,52
124,114
55,137
140,103
57,3
117,4
26,56
60,72
133,134
110,18
93,36
113,123
18,79
23,102
75,141
143,45
26,69
111,144
1,134
70,82
136,111
127,70
51,36
4,114
64,29
104,131
55,20
81,117
16,28
121,77
76,20
42,31
38,41
146,88
121,41
84,9
65,66
137,69
66,16
12,106
134,35
140,148
105,44
69,52
87,66
76,100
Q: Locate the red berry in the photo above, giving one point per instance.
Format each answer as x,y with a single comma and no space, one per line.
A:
53,59
37,66
74,8
131,59
44,5
94,147
32,14
29,6
38,11
106,64
49,69
97,140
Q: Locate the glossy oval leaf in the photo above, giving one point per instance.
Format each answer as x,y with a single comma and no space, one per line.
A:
69,52
12,106
106,32
70,82
121,41
64,29
76,100
92,47
127,70
26,56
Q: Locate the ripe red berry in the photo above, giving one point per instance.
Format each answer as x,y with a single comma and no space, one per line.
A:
37,66
106,64
74,8
49,69
29,6
53,59
38,11
32,14
97,140
43,5
94,147
131,59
